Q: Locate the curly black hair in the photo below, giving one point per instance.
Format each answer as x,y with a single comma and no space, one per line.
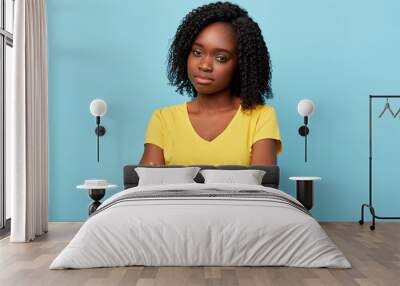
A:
252,79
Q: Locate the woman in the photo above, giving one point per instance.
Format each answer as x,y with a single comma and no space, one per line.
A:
219,57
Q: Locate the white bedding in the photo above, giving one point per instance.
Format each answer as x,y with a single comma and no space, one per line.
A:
200,231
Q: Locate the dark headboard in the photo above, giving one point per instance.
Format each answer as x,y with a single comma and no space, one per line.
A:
270,179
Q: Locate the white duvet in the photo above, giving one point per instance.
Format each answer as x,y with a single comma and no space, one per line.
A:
200,231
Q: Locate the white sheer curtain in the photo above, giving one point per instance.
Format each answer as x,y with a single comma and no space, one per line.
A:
27,124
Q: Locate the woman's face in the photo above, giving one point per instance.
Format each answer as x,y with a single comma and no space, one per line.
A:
212,61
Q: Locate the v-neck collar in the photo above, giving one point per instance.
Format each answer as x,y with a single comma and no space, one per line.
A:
219,135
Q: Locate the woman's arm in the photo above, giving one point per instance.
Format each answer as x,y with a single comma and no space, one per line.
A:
263,152
152,155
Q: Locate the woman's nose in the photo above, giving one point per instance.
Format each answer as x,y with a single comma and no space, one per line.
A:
206,64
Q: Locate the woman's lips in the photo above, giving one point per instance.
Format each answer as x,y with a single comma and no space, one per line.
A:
202,80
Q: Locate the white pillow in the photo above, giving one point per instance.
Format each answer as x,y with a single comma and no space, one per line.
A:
163,176
249,177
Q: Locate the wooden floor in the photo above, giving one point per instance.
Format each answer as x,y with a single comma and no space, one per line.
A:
374,255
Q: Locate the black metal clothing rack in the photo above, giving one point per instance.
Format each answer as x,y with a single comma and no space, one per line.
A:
370,205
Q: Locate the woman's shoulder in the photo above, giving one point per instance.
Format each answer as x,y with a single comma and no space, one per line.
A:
259,110
265,108
170,110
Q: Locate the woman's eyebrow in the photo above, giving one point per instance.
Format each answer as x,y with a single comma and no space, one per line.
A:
217,49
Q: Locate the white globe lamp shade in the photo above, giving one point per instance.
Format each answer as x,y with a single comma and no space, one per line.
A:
305,107
98,107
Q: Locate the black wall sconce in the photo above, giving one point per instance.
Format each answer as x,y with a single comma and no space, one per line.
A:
98,108
305,108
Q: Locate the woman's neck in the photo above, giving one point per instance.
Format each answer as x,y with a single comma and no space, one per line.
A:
217,102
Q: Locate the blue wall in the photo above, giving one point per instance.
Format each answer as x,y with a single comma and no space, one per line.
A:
333,52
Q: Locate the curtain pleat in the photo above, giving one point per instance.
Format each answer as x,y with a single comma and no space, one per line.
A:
29,159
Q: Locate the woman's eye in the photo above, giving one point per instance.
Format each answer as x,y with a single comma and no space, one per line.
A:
222,59
196,53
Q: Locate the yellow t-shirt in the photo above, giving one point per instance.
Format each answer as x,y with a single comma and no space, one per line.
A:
170,129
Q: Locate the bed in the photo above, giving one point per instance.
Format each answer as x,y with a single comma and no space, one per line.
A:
199,224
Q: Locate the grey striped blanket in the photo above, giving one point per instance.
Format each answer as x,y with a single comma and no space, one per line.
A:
203,194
